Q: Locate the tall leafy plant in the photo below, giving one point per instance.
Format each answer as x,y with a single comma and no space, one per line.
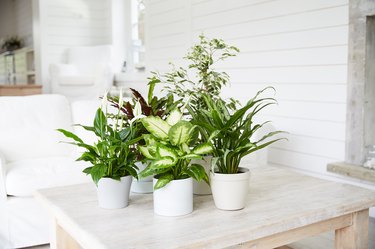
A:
205,79
113,155
170,146
232,133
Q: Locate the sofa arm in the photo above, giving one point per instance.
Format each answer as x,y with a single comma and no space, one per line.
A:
3,192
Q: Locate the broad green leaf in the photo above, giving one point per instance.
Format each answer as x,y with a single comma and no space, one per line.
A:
163,162
87,156
163,180
202,149
69,134
100,122
87,170
179,133
191,156
174,116
198,172
165,151
97,172
145,151
157,127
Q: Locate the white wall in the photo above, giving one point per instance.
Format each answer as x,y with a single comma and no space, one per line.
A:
16,19
69,23
297,46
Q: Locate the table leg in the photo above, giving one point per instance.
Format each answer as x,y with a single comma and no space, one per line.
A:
64,240
355,235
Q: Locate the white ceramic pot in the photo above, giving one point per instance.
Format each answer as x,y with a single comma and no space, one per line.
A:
174,199
202,188
230,190
113,194
142,185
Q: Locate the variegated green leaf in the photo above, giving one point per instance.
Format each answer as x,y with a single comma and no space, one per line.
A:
179,133
163,180
164,162
174,117
165,151
203,149
156,126
145,151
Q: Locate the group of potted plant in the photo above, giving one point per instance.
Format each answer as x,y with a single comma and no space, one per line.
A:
174,137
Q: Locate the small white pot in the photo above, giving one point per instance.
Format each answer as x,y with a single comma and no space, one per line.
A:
230,190
174,199
142,185
113,194
202,188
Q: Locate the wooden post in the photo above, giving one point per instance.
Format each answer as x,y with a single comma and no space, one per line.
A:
356,235
64,240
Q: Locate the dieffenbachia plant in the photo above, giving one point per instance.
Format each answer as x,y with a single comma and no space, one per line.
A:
170,147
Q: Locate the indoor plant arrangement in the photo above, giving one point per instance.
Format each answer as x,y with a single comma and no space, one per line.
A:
112,157
170,146
220,122
202,57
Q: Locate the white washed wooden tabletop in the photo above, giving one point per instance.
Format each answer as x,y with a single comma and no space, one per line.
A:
279,200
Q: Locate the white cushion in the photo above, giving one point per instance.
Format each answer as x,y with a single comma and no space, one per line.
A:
28,126
25,176
76,80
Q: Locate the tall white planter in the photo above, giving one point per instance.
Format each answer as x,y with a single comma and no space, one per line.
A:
143,185
230,190
202,188
174,199
113,194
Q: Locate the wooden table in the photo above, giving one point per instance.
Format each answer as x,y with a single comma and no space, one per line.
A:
20,90
282,207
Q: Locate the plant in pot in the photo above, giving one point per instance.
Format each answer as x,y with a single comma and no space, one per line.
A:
170,147
202,57
12,43
131,112
232,135
112,158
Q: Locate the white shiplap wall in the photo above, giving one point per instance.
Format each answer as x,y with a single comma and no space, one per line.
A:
297,46
70,23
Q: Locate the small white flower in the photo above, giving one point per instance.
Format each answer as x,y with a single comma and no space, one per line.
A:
137,112
137,109
120,100
105,101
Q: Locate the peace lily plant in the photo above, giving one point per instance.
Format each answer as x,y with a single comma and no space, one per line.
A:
112,158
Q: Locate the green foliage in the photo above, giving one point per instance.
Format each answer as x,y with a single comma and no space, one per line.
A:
208,81
168,148
113,155
232,134
12,43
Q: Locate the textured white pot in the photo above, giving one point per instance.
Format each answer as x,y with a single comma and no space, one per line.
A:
143,185
230,190
113,194
202,188
174,199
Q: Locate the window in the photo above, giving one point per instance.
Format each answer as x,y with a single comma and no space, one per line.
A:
138,33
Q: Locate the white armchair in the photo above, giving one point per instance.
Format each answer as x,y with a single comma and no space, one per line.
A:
86,75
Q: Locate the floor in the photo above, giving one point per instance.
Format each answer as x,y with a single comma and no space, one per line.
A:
323,241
